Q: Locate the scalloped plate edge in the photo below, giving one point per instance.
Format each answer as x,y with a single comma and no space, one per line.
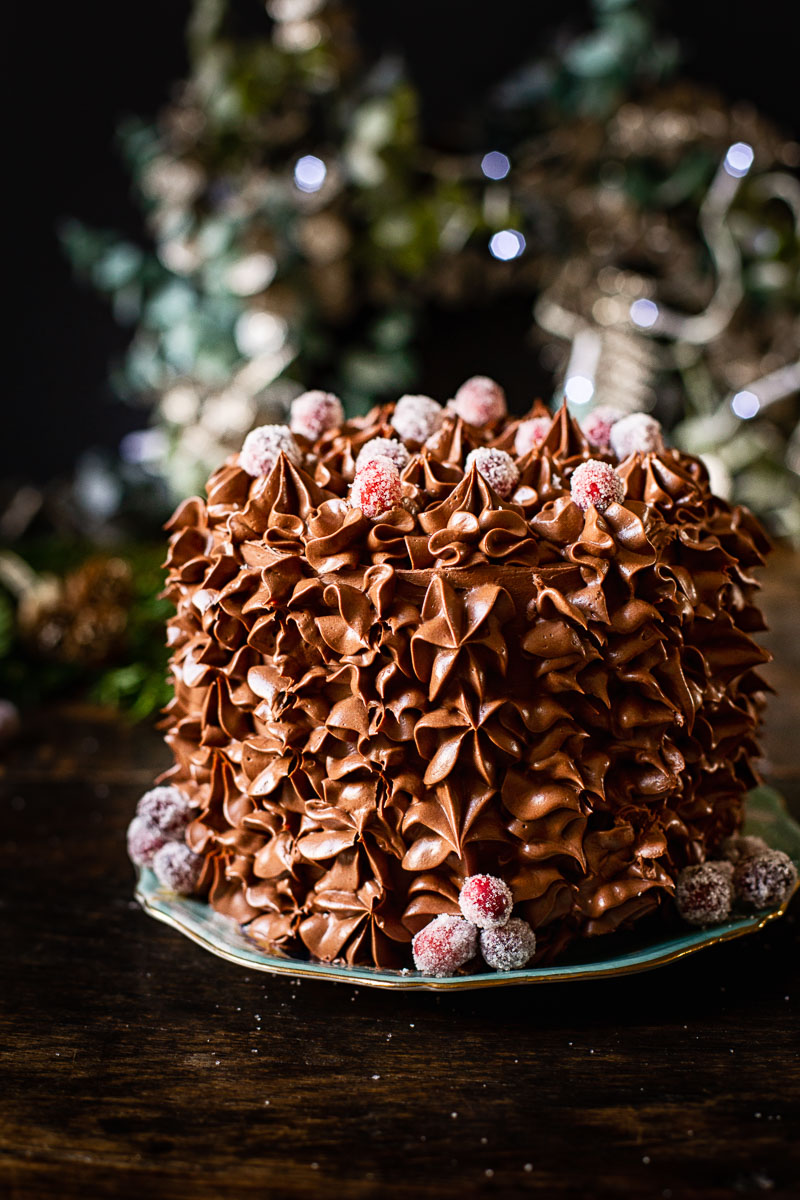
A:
222,936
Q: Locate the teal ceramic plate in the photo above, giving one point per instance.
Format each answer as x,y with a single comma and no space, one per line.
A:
617,954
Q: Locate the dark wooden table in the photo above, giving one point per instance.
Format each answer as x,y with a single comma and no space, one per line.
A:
134,1064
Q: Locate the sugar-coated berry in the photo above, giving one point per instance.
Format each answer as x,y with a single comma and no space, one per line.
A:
262,449
388,447
486,901
764,880
531,433
444,945
509,947
376,487
596,425
637,432
704,894
167,809
415,418
480,401
177,868
595,482
497,467
315,412
742,845
144,841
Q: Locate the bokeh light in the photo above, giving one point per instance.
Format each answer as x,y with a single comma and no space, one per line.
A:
495,165
507,244
309,173
578,389
745,404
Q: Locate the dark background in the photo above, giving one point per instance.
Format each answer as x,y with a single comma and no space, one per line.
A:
76,69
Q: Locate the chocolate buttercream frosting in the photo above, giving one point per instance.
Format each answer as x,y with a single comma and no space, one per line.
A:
367,712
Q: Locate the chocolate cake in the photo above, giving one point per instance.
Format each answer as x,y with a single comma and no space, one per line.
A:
479,644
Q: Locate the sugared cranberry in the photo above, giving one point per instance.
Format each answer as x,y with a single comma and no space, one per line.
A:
315,412
704,894
167,809
263,446
531,433
497,467
444,945
595,482
596,425
742,845
764,880
415,418
637,432
486,901
177,868
144,840
479,401
388,447
376,487
509,947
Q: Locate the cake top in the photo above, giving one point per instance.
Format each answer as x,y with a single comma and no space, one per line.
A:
415,485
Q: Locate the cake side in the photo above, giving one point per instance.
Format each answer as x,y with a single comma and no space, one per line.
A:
368,711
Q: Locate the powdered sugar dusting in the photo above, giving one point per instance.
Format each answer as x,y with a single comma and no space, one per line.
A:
497,467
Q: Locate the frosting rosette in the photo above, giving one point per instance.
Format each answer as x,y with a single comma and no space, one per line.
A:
367,712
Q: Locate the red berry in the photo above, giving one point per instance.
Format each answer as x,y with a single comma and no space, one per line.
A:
596,483
444,945
636,433
509,947
388,447
596,425
531,433
486,901
263,446
415,418
167,809
704,894
497,467
742,845
764,880
144,840
177,868
314,412
376,487
480,401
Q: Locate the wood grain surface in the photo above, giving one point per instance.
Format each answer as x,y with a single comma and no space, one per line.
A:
135,1064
